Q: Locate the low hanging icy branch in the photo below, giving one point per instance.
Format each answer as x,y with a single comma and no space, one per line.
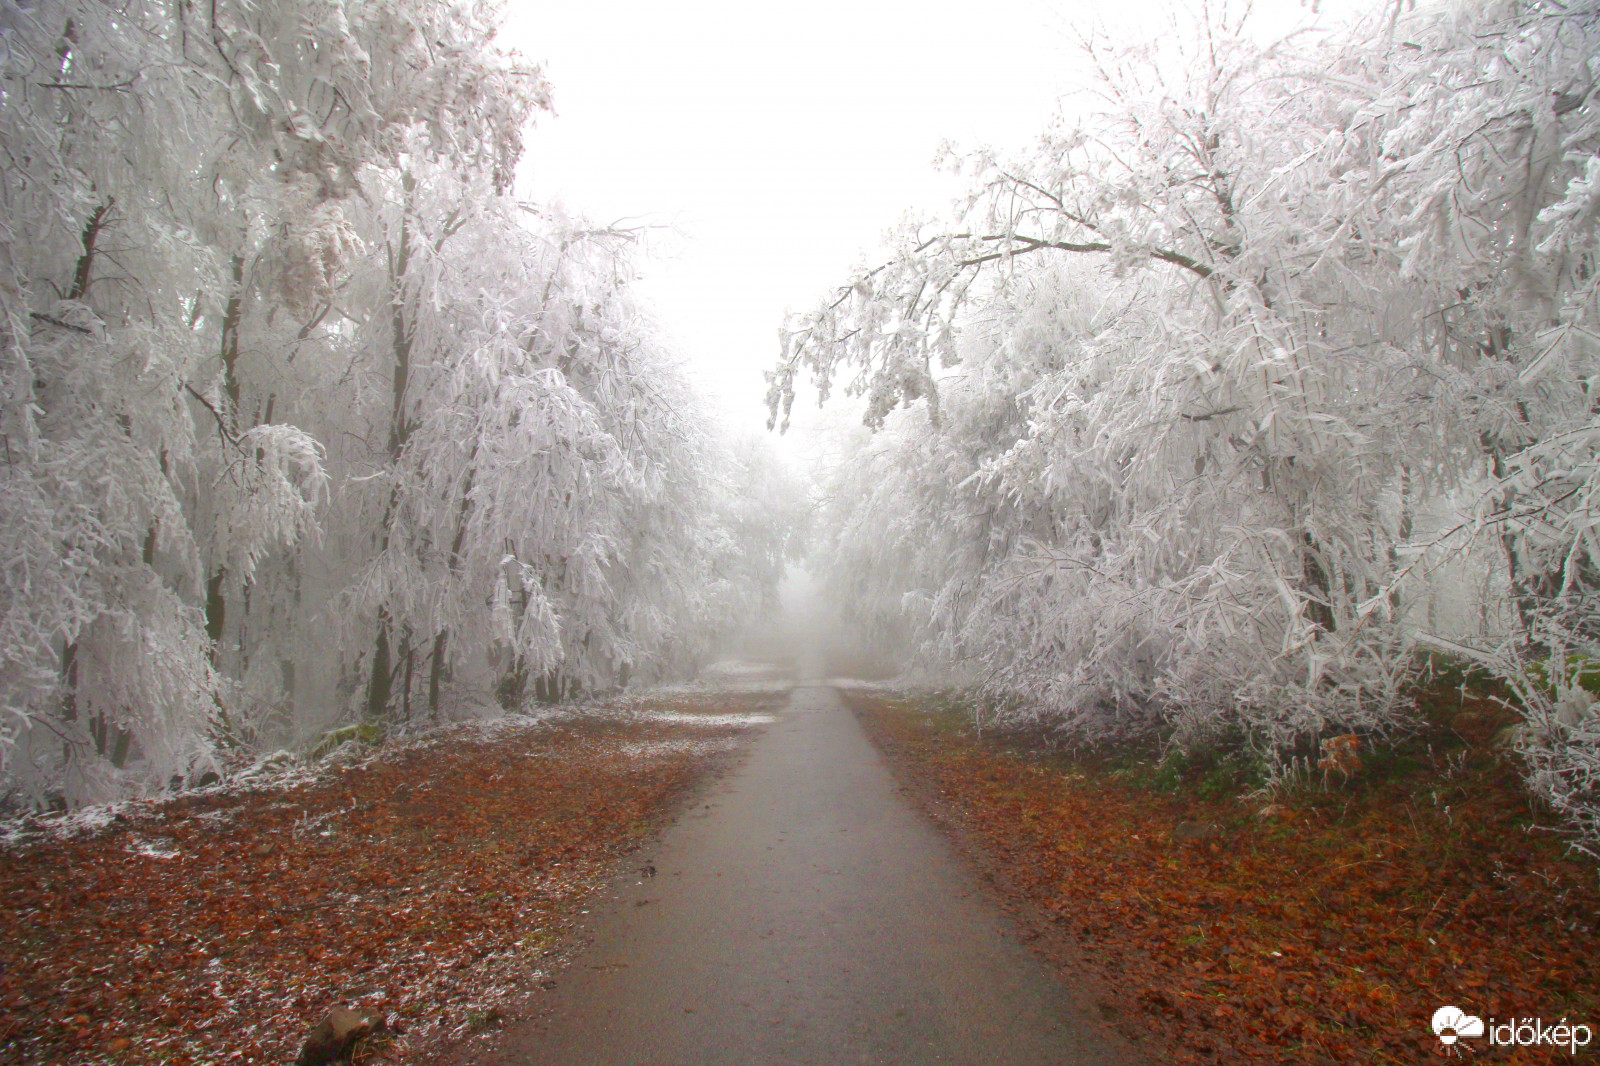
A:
893,322
1021,244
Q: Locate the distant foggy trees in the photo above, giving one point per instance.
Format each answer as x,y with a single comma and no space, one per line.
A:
304,417
1218,405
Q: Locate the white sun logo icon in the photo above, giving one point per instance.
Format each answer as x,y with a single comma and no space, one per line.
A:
1452,1023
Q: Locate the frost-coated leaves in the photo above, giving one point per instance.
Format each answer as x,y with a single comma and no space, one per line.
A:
304,416
1217,403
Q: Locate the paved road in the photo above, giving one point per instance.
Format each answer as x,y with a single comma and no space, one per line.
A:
803,913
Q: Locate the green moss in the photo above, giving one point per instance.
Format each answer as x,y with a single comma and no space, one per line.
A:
1584,673
1383,763
369,733
1436,670
1210,773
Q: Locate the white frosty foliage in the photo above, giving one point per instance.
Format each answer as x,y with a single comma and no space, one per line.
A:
267,495
303,416
1208,410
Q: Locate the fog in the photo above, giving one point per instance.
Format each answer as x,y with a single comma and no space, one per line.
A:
1212,399
811,637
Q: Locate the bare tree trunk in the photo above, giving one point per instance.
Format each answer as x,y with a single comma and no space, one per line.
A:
83,275
216,597
382,679
441,639
380,685
409,656
1319,599
1522,585
69,691
1404,535
216,610
441,642
231,317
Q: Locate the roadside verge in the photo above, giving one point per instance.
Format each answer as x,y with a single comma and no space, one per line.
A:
1329,929
432,882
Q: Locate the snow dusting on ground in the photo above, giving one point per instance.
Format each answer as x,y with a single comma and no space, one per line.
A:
435,879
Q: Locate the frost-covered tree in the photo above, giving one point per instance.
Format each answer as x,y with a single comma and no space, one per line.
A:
304,415
1274,365
552,467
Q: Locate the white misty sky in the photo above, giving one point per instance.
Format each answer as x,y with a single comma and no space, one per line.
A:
775,143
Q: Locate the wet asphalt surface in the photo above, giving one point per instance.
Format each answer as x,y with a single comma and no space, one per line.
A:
804,913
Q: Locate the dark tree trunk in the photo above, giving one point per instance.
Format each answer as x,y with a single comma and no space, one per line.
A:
441,641
231,318
407,655
216,610
216,599
382,679
1319,589
82,277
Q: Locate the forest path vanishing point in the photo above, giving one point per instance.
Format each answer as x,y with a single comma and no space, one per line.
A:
802,912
